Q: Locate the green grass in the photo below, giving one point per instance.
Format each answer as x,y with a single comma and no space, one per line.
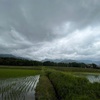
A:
73,69
69,87
45,90
21,67
12,73
57,83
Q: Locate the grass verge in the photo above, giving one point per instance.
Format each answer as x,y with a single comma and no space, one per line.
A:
45,90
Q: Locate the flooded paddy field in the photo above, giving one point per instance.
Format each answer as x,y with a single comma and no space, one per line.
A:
93,78
18,88
90,76
18,84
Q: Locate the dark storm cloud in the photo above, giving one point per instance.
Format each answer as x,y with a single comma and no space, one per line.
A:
50,28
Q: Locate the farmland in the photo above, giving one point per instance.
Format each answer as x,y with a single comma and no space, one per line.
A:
14,73
18,84
55,83
68,86
18,88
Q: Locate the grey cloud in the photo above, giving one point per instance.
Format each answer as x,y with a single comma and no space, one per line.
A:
50,28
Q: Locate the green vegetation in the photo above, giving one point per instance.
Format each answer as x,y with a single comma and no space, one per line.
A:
45,90
21,67
11,61
73,69
18,62
12,73
69,87
66,85
57,83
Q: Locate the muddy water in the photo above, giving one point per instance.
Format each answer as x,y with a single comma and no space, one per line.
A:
18,88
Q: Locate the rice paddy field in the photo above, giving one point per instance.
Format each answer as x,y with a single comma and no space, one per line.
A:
14,73
18,84
18,88
90,76
46,83
70,84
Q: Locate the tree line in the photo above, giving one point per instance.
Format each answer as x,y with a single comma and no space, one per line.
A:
18,62
24,62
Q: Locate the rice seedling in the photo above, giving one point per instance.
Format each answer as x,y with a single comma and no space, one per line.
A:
14,73
18,88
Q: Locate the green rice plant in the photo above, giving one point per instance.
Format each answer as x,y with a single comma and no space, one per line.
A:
73,69
70,87
14,73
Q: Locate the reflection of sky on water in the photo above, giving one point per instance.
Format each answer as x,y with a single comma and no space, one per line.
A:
18,88
93,78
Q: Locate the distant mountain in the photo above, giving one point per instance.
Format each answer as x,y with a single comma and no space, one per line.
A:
54,60
70,61
60,60
7,55
90,61
13,56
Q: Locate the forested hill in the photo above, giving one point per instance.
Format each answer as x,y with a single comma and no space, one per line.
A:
11,61
7,55
18,62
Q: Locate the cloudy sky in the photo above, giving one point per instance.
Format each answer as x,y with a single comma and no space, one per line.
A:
53,29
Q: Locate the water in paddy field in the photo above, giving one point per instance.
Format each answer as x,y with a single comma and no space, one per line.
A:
93,78
18,88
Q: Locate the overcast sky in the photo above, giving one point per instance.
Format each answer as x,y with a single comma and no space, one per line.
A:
53,29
